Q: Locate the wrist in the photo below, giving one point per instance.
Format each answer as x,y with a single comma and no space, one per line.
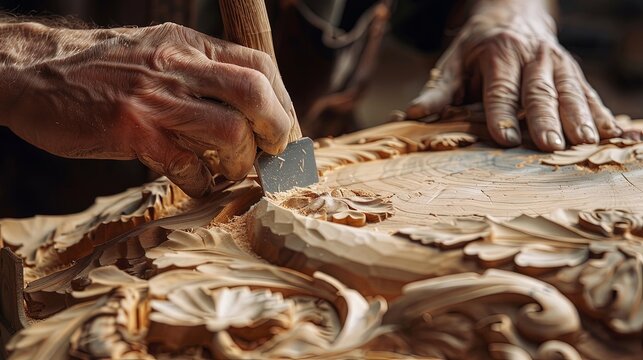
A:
502,13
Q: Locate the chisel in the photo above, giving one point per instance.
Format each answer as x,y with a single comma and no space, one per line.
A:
245,22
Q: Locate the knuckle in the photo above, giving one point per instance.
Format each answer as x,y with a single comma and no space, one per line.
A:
234,131
569,90
164,57
255,89
169,27
502,90
543,118
539,88
180,166
506,36
264,63
501,42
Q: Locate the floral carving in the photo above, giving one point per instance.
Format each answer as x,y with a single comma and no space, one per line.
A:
188,279
613,151
340,206
449,141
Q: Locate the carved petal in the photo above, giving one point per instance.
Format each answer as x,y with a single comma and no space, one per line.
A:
219,309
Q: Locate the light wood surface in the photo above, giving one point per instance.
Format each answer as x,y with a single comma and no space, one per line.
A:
417,244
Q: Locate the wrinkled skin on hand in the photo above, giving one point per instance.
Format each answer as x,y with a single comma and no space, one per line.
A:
162,94
508,56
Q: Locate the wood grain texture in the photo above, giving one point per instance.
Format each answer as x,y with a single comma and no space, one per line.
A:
472,252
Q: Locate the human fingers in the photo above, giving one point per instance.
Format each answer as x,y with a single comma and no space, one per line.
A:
180,165
540,101
253,59
444,81
603,118
500,69
574,111
245,89
204,125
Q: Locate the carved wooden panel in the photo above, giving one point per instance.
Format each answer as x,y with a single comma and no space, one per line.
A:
420,241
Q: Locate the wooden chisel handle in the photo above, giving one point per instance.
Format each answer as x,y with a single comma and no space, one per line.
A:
246,23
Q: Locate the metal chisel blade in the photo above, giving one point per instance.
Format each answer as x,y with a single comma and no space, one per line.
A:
294,167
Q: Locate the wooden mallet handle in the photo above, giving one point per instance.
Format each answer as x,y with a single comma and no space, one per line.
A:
246,23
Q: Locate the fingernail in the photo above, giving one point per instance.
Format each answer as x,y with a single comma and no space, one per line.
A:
554,140
397,115
589,134
511,135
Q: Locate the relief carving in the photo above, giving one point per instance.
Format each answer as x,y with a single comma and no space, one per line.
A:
149,274
608,152
341,206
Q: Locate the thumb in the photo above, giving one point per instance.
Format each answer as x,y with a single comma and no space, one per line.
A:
444,81
180,165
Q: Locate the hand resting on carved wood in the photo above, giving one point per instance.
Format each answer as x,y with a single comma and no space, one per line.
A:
163,94
508,56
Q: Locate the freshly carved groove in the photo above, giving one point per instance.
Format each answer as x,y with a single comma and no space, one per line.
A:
478,261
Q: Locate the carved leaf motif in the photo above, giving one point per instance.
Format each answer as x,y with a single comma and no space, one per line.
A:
449,141
59,278
595,254
188,250
117,329
446,235
105,279
340,206
611,222
543,314
615,151
226,266
49,339
296,316
331,154
108,217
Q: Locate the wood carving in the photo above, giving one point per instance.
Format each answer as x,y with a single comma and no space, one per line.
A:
608,152
339,206
474,252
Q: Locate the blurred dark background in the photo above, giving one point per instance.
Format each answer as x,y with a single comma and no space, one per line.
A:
347,74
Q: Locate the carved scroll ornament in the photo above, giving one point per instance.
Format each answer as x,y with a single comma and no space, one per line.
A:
150,274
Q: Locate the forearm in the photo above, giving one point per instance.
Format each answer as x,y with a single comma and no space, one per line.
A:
26,45
539,10
549,6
